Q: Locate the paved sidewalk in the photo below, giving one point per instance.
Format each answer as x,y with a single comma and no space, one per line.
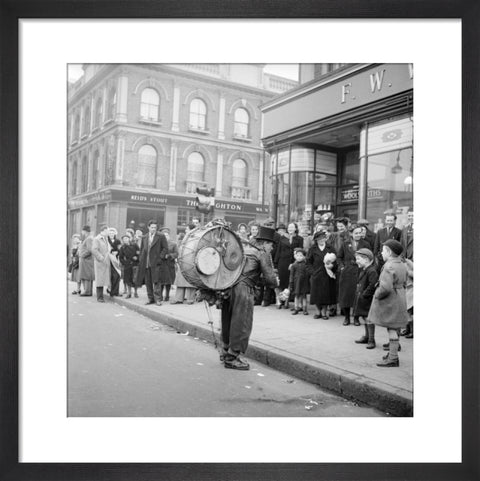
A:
316,350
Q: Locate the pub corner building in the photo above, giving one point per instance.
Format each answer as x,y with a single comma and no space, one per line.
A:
341,144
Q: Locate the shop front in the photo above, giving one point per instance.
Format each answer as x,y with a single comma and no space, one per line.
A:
121,208
342,145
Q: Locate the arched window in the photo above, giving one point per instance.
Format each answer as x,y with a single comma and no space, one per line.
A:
198,114
240,173
147,166
97,121
196,167
112,103
96,157
84,174
76,127
73,187
150,105
242,120
86,121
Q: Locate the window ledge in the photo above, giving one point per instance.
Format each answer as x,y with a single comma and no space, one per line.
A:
241,138
108,121
143,120
75,142
95,129
84,136
198,131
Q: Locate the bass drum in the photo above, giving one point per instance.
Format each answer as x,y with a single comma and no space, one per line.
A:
211,257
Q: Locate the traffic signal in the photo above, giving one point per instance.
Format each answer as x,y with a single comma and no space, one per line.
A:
205,199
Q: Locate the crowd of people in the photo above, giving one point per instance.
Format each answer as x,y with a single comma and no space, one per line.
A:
342,267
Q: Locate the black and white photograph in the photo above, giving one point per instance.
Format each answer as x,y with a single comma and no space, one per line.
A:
240,240
221,212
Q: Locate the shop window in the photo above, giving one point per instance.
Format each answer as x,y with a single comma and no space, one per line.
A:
198,115
101,217
390,185
97,120
111,103
147,166
84,175
350,168
242,121
150,105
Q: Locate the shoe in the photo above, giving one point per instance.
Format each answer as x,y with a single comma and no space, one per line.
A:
409,336
362,340
135,295
167,299
158,303
317,316
149,302
332,312
386,347
108,290
356,321
101,299
236,363
223,354
75,292
128,296
325,318
85,295
387,362
265,304
295,312
371,345
190,303
346,322
305,313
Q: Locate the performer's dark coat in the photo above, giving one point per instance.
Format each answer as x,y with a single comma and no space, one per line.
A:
237,310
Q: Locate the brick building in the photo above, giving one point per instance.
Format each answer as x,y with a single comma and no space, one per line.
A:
141,138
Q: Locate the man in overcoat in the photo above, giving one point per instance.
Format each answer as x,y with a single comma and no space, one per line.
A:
86,272
152,265
389,305
388,232
237,309
101,254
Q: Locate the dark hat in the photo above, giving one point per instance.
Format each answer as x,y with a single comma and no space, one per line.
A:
365,252
299,249
265,233
281,226
362,222
320,234
269,222
394,246
86,228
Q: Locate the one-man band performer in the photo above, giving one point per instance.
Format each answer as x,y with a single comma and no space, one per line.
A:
237,309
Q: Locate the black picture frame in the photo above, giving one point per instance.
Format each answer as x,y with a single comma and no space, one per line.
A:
13,10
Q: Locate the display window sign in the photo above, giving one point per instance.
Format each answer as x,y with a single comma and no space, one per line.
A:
350,194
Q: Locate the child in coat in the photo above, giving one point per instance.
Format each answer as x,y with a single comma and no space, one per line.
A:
299,281
366,285
389,305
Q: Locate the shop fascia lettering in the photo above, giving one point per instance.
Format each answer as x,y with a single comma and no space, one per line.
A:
149,199
376,84
352,194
